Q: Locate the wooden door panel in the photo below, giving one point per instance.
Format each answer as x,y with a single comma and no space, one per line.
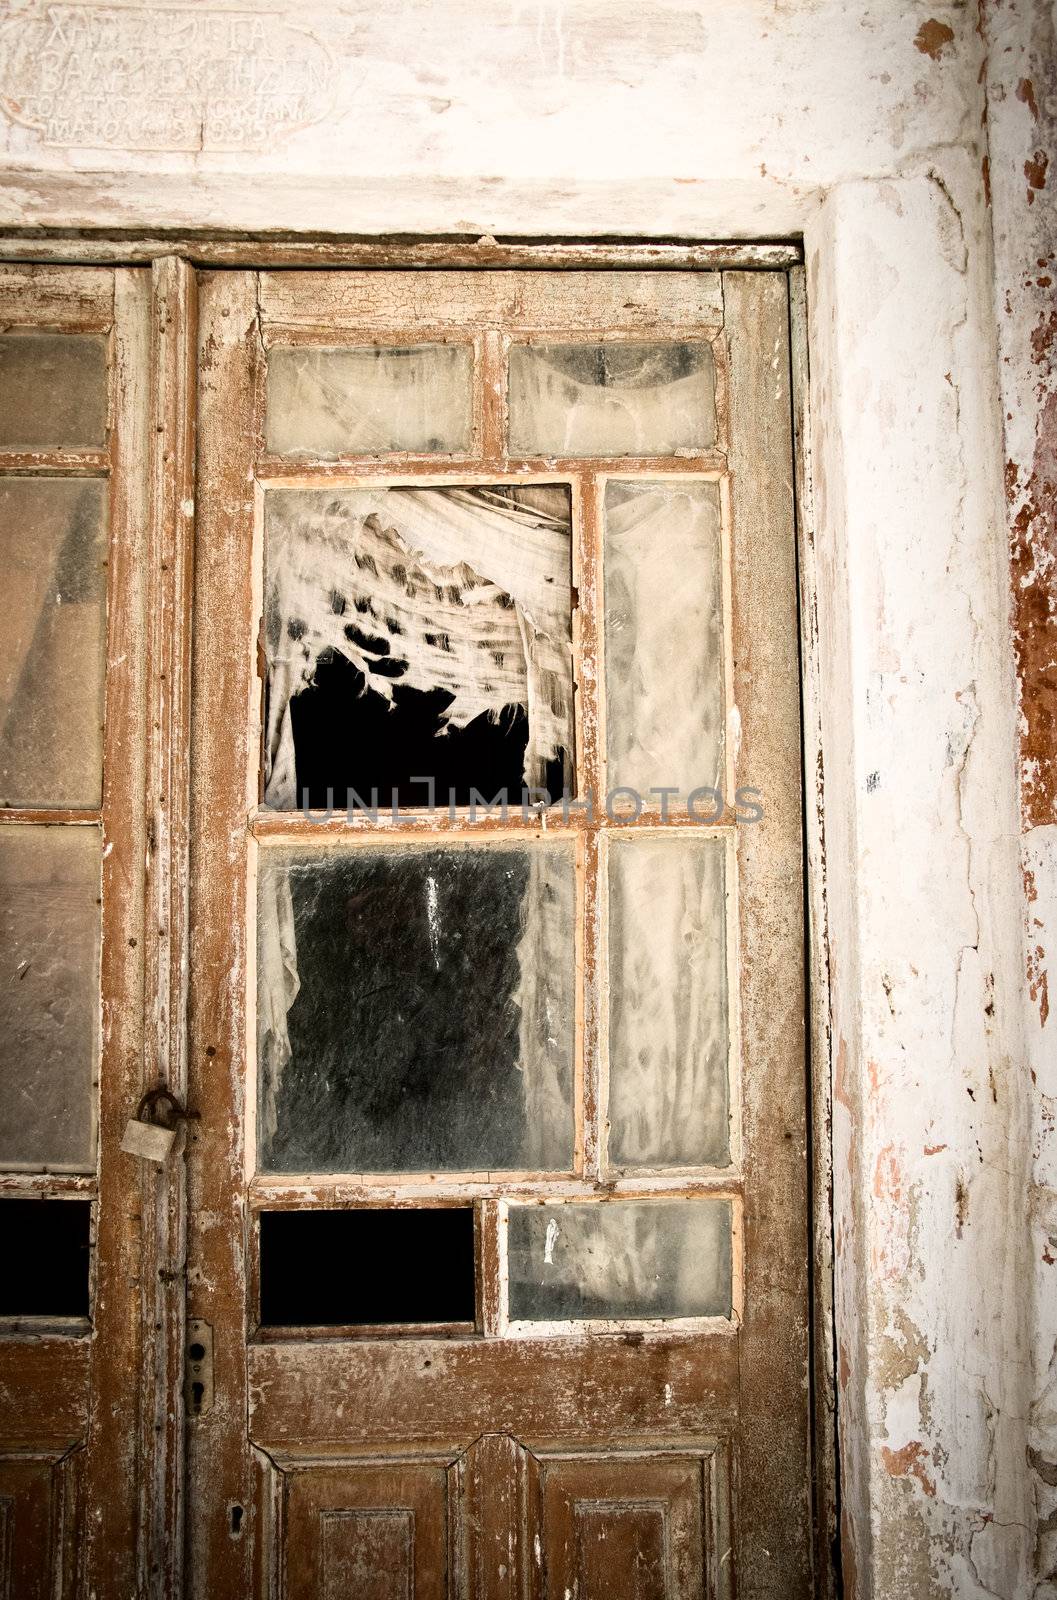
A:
627,1367
346,1394
35,1532
373,1531
635,1526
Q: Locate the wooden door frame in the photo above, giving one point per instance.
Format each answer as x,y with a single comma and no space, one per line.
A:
174,259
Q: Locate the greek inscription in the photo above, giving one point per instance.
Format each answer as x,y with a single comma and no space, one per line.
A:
162,78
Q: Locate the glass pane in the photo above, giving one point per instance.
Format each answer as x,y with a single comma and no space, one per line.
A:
49,995
52,391
53,646
664,637
620,1258
362,399
668,1006
415,1009
611,399
415,633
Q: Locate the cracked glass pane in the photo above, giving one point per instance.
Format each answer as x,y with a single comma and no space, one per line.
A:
614,399
52,654
363,399
52,391
413,634
669,1098
664,627
619,1258
49,995
415,1008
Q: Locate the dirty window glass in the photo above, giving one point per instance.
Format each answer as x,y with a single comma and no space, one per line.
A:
49,995
358,400
668,1006
663,636
415,1008
52,391
52,650
611,399
413,634
620,1258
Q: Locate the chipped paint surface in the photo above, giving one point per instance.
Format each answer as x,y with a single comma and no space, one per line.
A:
1021,38
882,130
929,1161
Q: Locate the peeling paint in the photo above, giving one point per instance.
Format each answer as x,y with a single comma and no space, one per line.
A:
931,38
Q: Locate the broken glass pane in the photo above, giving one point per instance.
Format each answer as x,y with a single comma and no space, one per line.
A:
613,399
415,1008
52,391
362,399
620,1258
664,637
52,651
668,1005
49,995
414,633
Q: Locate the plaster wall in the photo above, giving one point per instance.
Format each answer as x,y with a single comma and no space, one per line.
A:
862,126
1021,82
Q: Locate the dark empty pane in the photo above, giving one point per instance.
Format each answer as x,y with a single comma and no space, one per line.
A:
417,633
44,1246
361,399
52,391
613,399
623,1258
415,1008
349,1268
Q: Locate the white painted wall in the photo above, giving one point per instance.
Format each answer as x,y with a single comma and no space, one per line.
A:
859,123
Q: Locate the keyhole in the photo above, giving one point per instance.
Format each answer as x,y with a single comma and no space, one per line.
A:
237,1514
197,1393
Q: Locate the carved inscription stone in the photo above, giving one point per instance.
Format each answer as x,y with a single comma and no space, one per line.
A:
142,77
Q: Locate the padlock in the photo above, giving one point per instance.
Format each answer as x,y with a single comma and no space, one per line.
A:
145,1137
148,1139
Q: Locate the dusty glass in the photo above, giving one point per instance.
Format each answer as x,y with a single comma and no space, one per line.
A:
52,391
614,399
414,633
664,637
49,995
619,1258
53,535
669,1099
415,1008
363,399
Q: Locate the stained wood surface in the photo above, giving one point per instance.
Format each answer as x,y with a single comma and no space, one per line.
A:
333,1400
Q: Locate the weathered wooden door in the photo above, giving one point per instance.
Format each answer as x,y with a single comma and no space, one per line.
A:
497,1240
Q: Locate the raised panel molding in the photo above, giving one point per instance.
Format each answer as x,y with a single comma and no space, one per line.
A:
503,1520
369,1554
35,1535
630,1524
366,1530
